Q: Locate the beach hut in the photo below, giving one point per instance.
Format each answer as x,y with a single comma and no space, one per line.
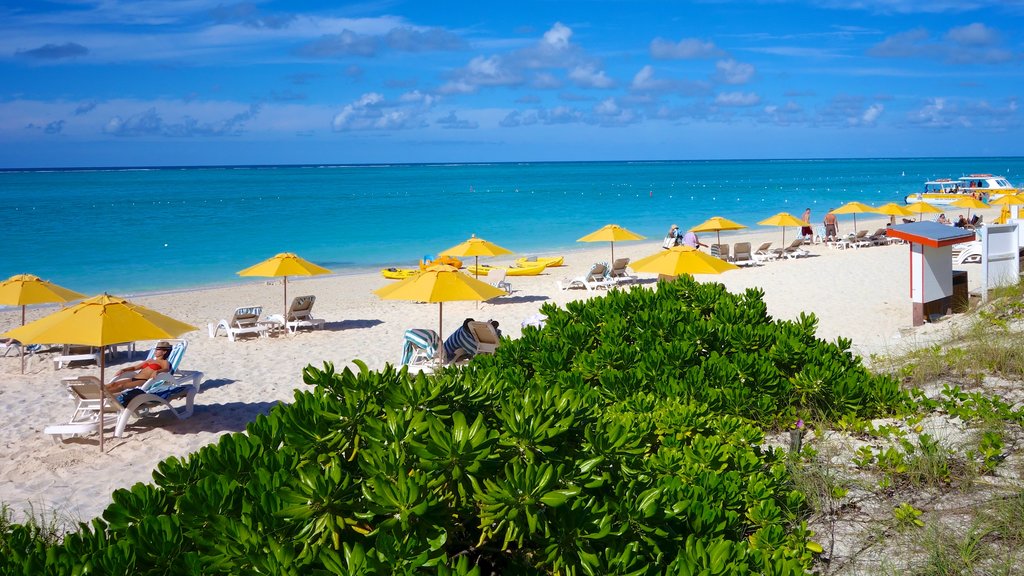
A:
935,288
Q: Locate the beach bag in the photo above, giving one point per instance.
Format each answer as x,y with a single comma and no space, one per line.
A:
668,242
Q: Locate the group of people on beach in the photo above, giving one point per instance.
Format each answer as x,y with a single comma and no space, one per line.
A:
677,238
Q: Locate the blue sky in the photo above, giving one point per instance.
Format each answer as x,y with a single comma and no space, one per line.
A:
206,82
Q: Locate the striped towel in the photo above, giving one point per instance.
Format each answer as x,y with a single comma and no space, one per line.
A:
461,338
422,339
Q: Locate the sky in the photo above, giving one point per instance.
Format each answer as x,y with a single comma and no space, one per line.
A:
214,82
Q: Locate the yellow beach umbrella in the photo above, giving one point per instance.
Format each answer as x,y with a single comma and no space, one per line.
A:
611,233
476,247
1006,201
716,224
782,219
853,208
969,202
24,289
921,207
894,209
284,264
100,321
682,260
440,283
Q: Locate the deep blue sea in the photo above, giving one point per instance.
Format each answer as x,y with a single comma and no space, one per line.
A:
126,231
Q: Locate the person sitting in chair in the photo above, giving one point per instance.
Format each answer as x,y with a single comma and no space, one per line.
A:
145,370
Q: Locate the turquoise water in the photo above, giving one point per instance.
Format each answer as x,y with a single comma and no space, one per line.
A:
136,230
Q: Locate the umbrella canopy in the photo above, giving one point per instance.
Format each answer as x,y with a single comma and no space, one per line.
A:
1006,201
24,289
969,202
611,233
100,321
853,208
782,219
893,209
284,264
921,207
716,224
682,260
440,283
476,247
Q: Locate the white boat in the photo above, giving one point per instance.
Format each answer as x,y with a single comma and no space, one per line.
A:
946,190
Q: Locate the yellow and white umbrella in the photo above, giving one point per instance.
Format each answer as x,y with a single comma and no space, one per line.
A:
853,208
24,289
716,224
476,247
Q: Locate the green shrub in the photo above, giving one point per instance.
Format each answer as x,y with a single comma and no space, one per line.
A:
623,438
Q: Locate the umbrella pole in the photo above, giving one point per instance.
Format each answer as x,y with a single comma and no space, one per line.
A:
476,269
612,263
103,391
22,348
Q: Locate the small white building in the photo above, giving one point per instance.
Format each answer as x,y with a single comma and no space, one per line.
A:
935,288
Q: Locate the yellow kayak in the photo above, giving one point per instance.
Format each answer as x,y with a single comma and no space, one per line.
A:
510,271
398,273
547,261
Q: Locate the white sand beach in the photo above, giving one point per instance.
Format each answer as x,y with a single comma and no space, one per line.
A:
860,294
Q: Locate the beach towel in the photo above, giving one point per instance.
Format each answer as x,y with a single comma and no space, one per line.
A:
461,338
422,339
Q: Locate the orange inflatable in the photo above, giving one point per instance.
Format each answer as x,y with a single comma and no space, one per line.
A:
449,260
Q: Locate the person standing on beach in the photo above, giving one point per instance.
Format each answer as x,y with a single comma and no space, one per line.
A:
690,239
806,231
831,226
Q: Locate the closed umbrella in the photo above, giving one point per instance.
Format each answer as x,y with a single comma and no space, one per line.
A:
682,260
24,289
853,208
100,321
440,283
611,233
969,202
716,224
782,219
284,264
476,247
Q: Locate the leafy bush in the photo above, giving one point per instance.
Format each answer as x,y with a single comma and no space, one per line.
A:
623,438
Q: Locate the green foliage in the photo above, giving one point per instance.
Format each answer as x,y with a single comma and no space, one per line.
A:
623,438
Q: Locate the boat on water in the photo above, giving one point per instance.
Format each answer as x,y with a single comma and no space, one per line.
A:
986,187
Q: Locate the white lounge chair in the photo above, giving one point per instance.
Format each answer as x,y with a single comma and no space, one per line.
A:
794,250
496,277
619,273
742,256
764,253
300,315
596,278
160,390
245,321
75,353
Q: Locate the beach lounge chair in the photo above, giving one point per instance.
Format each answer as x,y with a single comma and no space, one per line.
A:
720,251
596,278
486,336
74,353
420,346
764,252
860,239
300,315
878,238
460,344
618,271
794,250
243,322
160,390
496,277
742,256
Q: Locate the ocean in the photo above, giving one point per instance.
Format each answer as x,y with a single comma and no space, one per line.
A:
131,231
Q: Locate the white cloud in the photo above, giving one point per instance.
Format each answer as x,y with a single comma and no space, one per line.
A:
872,113
372,111
733,72
588,77
737,99
685,49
